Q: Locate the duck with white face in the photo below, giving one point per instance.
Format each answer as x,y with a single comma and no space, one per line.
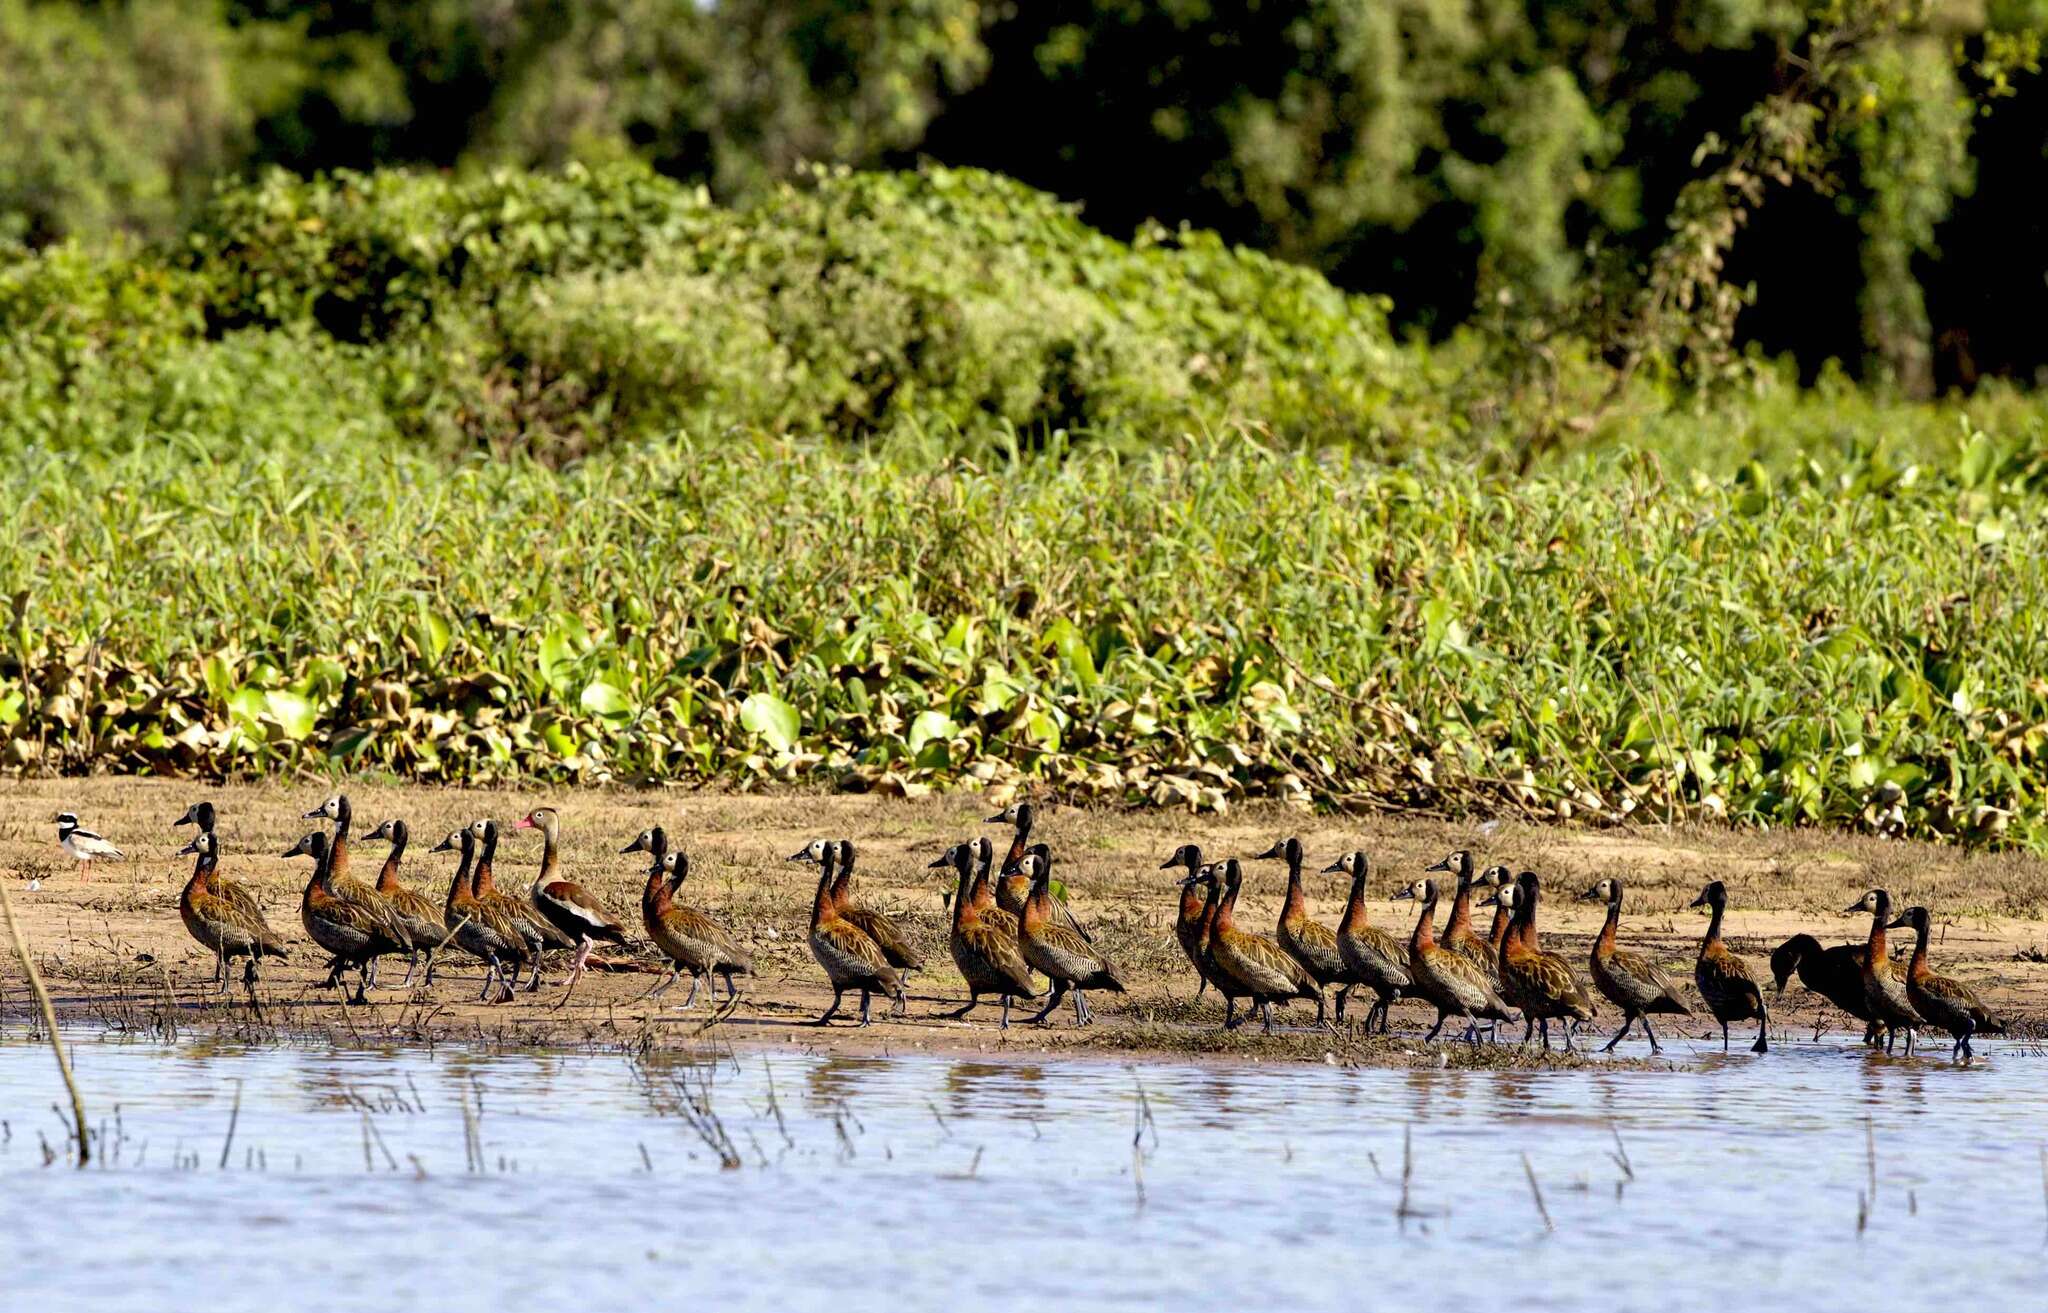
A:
82,845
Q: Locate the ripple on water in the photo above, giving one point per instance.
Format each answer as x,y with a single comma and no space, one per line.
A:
893,1183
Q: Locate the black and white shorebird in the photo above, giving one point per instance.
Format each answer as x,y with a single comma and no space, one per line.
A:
82,845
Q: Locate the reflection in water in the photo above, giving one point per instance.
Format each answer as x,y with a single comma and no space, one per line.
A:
787,1179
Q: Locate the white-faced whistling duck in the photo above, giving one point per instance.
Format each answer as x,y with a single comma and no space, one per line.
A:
570,908
1058,951
1260,969
538,932
989,959
1943,1001
1376,958
232,892
880,926
692,940
345,885
850,956
1542,984
1012,885
482,932
1188,930
1450,980
1723,978
1311,944
1631,981
419,919
84,846
354,933
1208,877
986,908
1884,990
1457,933
1836,974
231,931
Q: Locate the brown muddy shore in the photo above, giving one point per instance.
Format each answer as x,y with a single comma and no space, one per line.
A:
113,951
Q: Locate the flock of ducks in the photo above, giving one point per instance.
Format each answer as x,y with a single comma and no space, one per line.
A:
1008,928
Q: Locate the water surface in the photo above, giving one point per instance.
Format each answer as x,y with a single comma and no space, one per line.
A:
356,1180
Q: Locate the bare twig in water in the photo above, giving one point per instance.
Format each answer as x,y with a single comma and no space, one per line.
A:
1536,1192
49,1013
234,1115
1141,1122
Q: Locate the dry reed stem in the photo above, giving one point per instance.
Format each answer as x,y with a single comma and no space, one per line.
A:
35,984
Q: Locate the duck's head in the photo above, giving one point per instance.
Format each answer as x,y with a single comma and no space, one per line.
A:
1603,891
1714,896
1019,814
814,851
199,814
1422,891
1878,902
650,840
333,809
540,818
313,845
1351,863
1494,877
390,829
1188,855
1915,917
1288,850
1505,896
203,843
676,866
453,840
1458,863
955,858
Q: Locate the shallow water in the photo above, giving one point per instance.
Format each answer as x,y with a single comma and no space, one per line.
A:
912,1182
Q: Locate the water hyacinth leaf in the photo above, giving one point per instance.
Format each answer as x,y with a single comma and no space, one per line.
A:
602,699
930,725
294,716
1073,652
770,718
560,649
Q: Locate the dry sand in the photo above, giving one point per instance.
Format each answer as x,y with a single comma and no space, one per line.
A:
112,948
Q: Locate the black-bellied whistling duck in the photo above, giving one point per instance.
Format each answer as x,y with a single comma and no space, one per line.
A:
1542,984
880,926
233,892
1723,979
1943,1001
1058,951
230,931
1884,990
418,918
1311,944
1836,974
690,938
1378,959
353,933
1631,981
1444,976
850,956
536,930
1012,886
1188,928
1260,969
482,932
567,905
989,959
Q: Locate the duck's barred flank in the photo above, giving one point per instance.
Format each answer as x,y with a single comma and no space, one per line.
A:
1042,952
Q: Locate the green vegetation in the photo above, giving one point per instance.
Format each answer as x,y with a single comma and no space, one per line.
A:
1189,624
1477,162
